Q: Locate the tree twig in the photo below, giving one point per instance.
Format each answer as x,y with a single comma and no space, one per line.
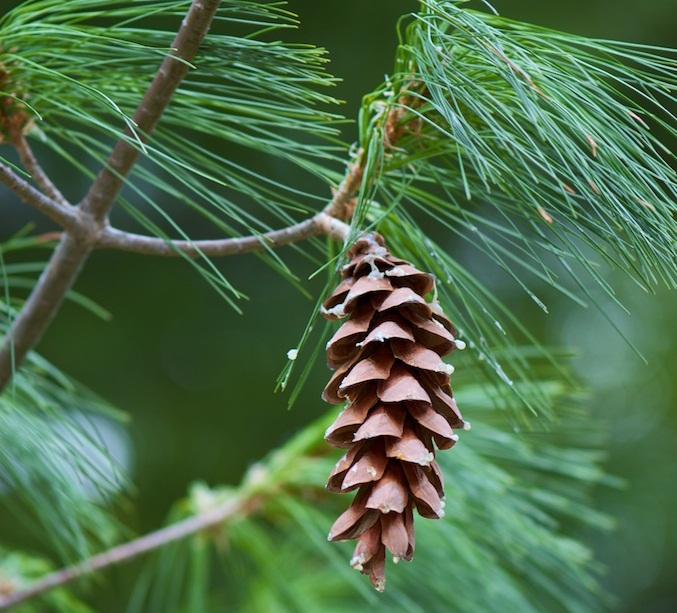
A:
74,248
327,222
321,223
65,215
209,518
37,173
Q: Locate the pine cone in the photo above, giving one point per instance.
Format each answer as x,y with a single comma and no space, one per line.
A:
389,369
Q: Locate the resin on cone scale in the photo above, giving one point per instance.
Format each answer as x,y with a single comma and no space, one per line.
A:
387,358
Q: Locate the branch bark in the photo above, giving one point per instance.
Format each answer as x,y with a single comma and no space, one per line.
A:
63,214
327,222
321,223
74,248
107,185
32,165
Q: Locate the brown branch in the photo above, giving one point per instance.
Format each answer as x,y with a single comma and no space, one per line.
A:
327,222
63,214
205,520
321,223
174,68
74,248
32,165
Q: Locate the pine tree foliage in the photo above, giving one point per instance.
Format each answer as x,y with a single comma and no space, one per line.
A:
540,149
513,500
57,479
80,68
534,147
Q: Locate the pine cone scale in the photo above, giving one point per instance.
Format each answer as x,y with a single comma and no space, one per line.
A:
388,364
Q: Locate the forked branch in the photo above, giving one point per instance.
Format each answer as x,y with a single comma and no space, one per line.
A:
61,213
74,248
32,165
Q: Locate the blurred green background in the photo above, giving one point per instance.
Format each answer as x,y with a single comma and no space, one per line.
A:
197,379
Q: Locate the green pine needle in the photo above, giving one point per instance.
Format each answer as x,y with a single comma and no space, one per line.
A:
535,149
56,473
83,66
514,500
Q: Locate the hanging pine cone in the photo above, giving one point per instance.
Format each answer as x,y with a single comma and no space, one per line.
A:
389,369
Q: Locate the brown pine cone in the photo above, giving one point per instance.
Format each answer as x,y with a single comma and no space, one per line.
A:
389,369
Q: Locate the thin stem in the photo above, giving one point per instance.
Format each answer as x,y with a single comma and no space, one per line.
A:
319,224
74,248
327,222
64,215
37,173
127,551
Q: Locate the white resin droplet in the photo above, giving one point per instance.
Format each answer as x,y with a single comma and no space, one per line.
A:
357,561
336,311
466,425
378,337
292,354
426,459
395,272
460,344
447,369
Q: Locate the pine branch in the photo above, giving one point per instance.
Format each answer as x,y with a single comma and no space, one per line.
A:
205,520
60,212
37,173
326,222
319,224
72,252
87,226
263,480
